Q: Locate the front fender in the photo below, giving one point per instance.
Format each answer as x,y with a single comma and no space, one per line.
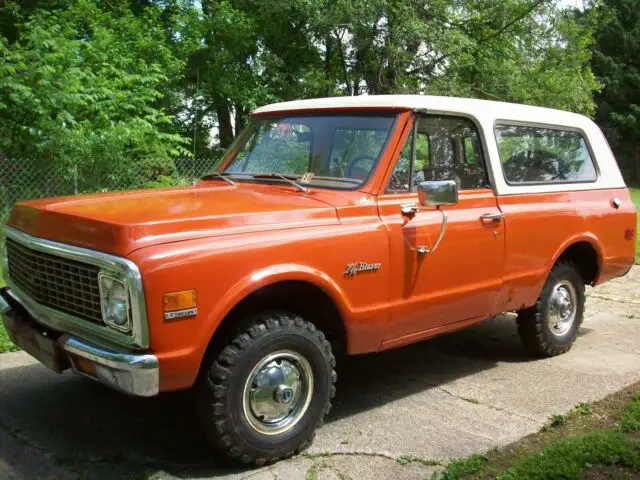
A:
225,270
272,275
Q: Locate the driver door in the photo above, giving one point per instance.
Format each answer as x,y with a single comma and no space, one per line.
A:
459,282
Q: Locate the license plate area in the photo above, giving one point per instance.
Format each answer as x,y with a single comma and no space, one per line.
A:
37,342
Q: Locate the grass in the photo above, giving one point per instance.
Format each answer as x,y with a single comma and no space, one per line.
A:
6,345
635,196
594,441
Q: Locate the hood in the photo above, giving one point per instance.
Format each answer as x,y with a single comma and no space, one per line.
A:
120,223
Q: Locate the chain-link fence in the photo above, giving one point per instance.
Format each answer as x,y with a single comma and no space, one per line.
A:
24,179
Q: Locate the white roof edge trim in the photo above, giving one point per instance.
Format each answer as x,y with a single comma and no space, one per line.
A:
470,106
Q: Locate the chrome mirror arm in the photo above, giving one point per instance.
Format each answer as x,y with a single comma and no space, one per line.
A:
423,249
443,228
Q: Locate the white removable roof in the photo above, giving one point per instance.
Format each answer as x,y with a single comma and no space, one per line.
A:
486,114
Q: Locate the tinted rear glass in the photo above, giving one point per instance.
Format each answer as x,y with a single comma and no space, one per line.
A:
532,154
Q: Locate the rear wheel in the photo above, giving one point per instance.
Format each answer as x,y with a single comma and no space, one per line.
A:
551,326
265,393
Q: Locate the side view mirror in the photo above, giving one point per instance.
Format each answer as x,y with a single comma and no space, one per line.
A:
435,193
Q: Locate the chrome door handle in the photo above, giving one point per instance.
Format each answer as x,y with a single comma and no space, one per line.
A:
409,208
491,217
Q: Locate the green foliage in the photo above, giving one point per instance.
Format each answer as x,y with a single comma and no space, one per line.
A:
251,52
108,92
80,90
566,458
523,51
616,63
557,420
6,345
462,468
630,421
583,409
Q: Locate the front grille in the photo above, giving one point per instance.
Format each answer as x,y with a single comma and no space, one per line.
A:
55,282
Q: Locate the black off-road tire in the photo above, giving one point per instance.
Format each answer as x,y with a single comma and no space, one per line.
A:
533,323
220,389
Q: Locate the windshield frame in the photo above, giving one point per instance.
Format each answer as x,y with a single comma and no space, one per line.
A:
245,135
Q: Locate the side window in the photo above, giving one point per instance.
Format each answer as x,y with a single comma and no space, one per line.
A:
543,155
445,148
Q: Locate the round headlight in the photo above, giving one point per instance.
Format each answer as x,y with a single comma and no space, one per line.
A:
115,305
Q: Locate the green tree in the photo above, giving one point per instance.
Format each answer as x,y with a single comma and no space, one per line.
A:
616,62
80,92
208,63
528,52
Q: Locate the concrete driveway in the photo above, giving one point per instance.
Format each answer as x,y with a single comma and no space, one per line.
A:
396,414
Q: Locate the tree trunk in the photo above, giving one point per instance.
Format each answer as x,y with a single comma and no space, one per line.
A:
241,118
327,65
225,128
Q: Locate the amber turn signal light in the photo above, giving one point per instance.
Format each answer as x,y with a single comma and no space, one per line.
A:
179,300
179,305
85,366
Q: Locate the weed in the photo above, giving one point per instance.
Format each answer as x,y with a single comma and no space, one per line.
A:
583,409
462,468
557,420
630,421
407,459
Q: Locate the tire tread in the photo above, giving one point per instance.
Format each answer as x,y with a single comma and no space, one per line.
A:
214,413
532,323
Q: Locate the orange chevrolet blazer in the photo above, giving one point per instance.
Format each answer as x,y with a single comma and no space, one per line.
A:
337,225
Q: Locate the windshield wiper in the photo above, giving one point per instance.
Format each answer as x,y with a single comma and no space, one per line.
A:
211,176
290,180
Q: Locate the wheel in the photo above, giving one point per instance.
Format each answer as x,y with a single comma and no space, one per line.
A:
263,396
551,326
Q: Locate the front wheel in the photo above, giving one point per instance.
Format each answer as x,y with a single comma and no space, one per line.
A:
551,326
263,396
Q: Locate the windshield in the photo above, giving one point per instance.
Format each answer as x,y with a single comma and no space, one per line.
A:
332,151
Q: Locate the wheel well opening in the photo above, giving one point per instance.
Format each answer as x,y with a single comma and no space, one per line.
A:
585,257
301,298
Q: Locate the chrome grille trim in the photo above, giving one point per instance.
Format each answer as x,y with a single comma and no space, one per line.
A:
73,323
58,283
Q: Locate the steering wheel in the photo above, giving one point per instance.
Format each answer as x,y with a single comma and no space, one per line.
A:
395,183
360,172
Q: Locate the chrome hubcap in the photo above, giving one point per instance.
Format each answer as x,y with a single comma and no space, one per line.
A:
278,392
562,308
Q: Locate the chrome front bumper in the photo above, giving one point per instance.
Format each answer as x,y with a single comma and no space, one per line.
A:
133,373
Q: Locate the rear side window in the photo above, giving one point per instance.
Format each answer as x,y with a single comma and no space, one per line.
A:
543,155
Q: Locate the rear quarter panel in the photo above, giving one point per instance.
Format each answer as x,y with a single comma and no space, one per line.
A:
540,227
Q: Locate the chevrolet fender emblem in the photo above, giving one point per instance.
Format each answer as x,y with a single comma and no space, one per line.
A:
175,315
352,269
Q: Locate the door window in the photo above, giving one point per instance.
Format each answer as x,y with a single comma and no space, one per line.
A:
440,147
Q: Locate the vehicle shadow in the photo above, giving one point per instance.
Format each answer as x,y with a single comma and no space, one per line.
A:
103,434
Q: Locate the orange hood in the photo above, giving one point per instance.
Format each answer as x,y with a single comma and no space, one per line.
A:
120,223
